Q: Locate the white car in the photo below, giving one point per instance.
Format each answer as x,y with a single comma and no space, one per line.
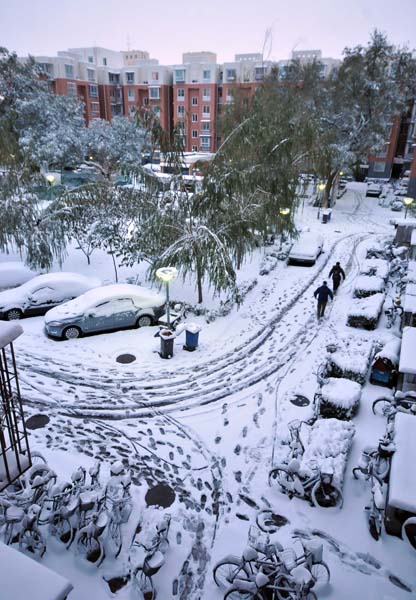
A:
374,190
306,249
38,295
106,308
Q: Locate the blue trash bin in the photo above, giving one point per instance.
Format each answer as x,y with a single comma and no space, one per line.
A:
192,337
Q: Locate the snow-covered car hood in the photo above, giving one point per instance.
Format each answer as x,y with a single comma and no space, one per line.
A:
142,298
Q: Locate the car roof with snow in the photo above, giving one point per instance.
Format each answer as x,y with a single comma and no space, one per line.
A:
408,351
60,279
106,293
308,240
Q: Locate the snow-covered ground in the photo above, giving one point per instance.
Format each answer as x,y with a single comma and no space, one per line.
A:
210,424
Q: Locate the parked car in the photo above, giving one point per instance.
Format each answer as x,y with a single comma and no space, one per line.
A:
306,249
106,308
374,190
396,205
38,295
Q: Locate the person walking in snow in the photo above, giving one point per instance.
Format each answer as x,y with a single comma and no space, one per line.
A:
323,293
336,273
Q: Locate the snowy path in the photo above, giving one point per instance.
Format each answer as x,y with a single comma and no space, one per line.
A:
208,424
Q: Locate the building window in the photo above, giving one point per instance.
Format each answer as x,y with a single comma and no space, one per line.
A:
114,78
259,73
231,74
179,75
113,93
194,118
206,127
104,61
379,167
194,133
71,88
93,91
181,111
130,77
91,74
181,94
46,68
206,76
155,75
206,111
206,94
95,107
132,110
230,95
194,100
205,142
69,71
154,93
194,148
90,59
131,95
146,101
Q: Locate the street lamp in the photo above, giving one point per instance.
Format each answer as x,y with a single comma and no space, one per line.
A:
407,202
167,274
50,179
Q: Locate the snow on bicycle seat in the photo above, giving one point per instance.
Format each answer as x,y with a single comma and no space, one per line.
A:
301,575
250,554
14,514
156,561
288,558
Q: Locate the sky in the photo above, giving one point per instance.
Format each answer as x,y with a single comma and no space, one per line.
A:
168,28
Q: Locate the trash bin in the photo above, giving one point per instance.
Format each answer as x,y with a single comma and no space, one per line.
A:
326,216
192,336
166,343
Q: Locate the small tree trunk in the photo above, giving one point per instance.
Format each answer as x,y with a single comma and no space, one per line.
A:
114,265
199,281
329,182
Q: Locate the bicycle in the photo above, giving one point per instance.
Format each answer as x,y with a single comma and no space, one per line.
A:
30,537
285,587
387,406
89,545
318,487
119,513
393,313
59,514
375,510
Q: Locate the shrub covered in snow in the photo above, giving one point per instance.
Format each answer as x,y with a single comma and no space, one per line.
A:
340,398
328,443
375,267
367,285
351,364
365,312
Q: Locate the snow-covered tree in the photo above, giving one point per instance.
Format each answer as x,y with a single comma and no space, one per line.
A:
114,146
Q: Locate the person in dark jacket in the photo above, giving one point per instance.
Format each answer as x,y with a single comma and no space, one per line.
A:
323,293
336,273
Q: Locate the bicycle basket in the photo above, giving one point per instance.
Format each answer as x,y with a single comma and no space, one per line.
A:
288,558
258,540
316,549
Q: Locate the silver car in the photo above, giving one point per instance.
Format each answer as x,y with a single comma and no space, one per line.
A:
106,308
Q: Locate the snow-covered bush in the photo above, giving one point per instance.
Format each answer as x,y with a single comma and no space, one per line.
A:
351,364
327,444
269,262
375,267
365,312
367,285
340,398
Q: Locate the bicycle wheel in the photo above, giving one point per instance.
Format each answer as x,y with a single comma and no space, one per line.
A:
285,588
282,477
409,531
310,596
381,407
62,529
90,548
320,573
381,467
236,594
326,497
374,527
32,541
228,569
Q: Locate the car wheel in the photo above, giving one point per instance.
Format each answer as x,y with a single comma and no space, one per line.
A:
144,321
71,333
14,314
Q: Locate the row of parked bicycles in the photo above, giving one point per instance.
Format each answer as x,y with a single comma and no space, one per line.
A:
266,570
83,513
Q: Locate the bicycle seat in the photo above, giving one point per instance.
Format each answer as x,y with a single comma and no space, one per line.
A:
155,561
250,554
301,575
14,514
288,558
